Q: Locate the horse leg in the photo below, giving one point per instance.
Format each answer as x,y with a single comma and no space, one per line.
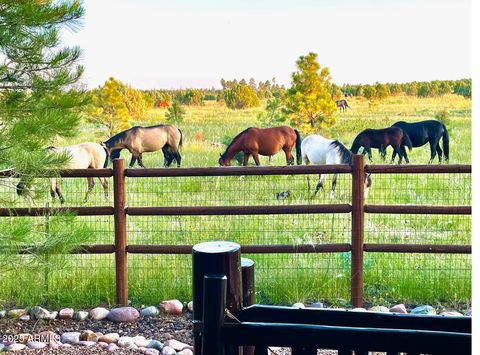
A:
320,184
288,156
404,152
255,157
166,156
177,157
104,184
53,183
245,158
133,160
91,184
433,149
369,153
334,185
140,162
439,153
59,193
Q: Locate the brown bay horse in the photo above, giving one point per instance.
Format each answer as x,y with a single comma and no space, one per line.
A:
263,141
342,105
381,139
139,140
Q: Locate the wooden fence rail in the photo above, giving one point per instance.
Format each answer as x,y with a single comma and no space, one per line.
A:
357,208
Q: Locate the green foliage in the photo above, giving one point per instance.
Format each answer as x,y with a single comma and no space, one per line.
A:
274,114
241,96
175,113
308,101
193,97
136,102
443,116
109,108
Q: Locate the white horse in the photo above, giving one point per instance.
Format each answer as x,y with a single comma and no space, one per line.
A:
87,155
319,150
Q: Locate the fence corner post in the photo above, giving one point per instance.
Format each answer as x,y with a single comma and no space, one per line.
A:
120,219
358,203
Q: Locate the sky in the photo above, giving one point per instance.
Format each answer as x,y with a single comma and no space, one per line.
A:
187,43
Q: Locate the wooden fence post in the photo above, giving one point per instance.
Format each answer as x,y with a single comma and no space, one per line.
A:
358,203
248,291
120,218
216,258
214,296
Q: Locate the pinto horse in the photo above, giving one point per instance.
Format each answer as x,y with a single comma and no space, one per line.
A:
138,140
381,139
423,132
264,141
319,150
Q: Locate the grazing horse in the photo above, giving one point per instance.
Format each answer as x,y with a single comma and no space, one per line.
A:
342,105
381,139
319,150
264,141
424,132
138,140
87,155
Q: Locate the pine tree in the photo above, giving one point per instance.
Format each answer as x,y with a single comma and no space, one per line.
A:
308,100
175,112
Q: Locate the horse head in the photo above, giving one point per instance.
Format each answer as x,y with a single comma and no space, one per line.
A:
223,161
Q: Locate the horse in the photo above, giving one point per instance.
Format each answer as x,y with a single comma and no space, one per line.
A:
342,104
264,141
87,155
139,140
319,150
423,132
381,139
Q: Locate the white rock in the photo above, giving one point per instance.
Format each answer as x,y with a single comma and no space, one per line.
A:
185,352
381,309
168,351
102,344
66,313
109,338
80,315
112,347
142,343
3,313
36,345
451,314
150,351
298,305
98,313
40,313
399,308
16,347
190,306
176,345
16,313
126,342
359,309
149,312
24,318
70,337
86,343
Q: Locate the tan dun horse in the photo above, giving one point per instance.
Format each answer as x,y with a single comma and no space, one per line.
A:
139,140
87,155
263,141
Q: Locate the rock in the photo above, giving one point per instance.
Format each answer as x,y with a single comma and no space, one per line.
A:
190,306
2,347
149,312
381,309
316,305
41,313
155,344
141,342
185,352
102,344
123,314
451,314
3,313
66,313
358,309
398,308
98,313
168,351
66,345
110,338
468,313
88,335
126,342
173,307
176,345
86,343
51,338
70,337
425,309
150,352
24,318
16,313
24,338
16,347
80,315
298,305
36,345
112,347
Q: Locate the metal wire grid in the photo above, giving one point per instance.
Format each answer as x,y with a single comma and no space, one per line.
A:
279,278
235,190
417,278
418,229
421,189
73,190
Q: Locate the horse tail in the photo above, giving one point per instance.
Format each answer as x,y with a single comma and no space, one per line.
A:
446,146
181,138
298,147
406,141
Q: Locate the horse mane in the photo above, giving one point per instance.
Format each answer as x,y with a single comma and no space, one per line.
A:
234,140
345,154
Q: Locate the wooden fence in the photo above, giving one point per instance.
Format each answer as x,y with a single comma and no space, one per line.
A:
357,247
224,321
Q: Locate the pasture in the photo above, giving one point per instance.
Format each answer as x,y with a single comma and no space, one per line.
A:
281,278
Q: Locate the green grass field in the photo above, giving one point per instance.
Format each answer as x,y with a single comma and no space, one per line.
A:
281,278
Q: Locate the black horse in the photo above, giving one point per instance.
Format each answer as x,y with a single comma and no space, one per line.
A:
424,132
381,139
